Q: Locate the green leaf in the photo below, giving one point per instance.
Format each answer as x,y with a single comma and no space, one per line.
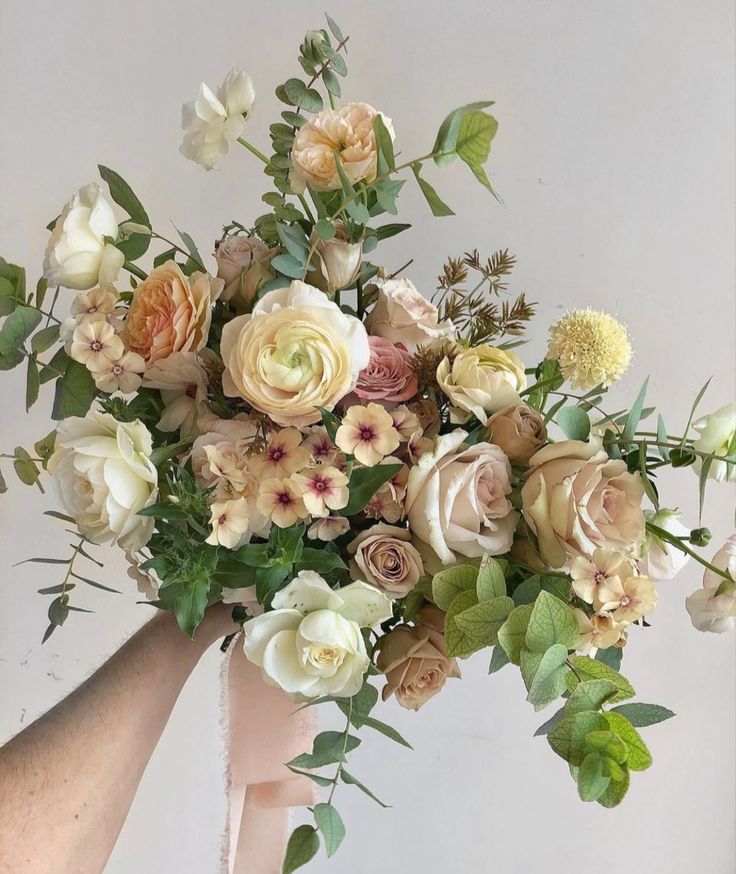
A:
302,847
332,83
19,325
551,622
590,695
447,135
638,757
477,130
641,715
33,382
458,641
360,705
491,582
3,484
329,748
325,229
316,778
123,195
592,782
512,633
353,781
384,142
554,720
191,247
270,579
25,468
75,391
607,742
294,240
528,591
387,730
44,338
436,204
499,659
483,620
364,483
8,299
449,583
616,791
191,604
390,230
59,610
590,669
289,266
548,682
611,656
567,738
320,560
336,32
634,417
574,422
331,825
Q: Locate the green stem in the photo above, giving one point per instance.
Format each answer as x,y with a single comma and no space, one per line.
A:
254,151
174,245
341,763
305,207
665,535
729,459
136,271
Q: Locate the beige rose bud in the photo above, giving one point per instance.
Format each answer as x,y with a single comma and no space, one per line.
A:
338,261
518,430
415,661
384,557
428,414
244,264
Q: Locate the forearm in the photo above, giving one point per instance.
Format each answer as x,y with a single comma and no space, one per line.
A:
67,781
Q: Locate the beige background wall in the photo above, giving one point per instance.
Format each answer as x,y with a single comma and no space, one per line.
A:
615,162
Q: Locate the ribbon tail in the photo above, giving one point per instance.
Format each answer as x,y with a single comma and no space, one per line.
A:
263,732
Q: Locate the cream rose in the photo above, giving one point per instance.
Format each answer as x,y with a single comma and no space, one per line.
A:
457,499
383,556
338,260
402,315
310,643
480,381
78,255
576,499
296,352
347,131
104,474
244,265
170,312
519,430
415,661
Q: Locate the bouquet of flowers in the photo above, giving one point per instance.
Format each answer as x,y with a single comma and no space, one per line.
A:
374,479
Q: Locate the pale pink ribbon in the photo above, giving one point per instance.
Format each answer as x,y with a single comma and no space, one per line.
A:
263,732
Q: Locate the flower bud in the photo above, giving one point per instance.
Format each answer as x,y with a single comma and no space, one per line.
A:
338,261
700,536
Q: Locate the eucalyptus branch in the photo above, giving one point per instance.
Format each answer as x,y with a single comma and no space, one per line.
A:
341,763
729,459
583,400
663,534
173,245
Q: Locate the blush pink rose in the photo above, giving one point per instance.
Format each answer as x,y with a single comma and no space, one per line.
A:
388,377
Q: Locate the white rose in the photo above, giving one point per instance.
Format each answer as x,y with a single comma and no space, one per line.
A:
105,476
77,255
338,260
661,560
310,643
717,432
457,499
402,315
713,608
214,120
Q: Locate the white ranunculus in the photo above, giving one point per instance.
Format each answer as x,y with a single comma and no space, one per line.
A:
310,643
105,475
717,433
661,560
214,120
713,607
78,255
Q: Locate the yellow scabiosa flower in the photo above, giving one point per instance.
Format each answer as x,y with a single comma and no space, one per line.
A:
592,348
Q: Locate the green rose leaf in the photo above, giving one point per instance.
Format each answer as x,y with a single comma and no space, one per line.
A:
330,825
590,695
586,668
551,622
302,847
616,790
448,584
19,325
446,143
75,391
458,641
638,757
191,604
567,738
364,483
548,680
512,633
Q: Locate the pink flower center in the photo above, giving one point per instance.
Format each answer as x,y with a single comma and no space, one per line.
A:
191,391
117,370
95,346
599,578
223,519
283,498
367,433
276,453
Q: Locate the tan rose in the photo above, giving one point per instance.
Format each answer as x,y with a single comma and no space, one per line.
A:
402,315
480,381
384,557
347,131
295,353
415,661
457,499
170,312
428,414
338,260
576,499
518,430
244,265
